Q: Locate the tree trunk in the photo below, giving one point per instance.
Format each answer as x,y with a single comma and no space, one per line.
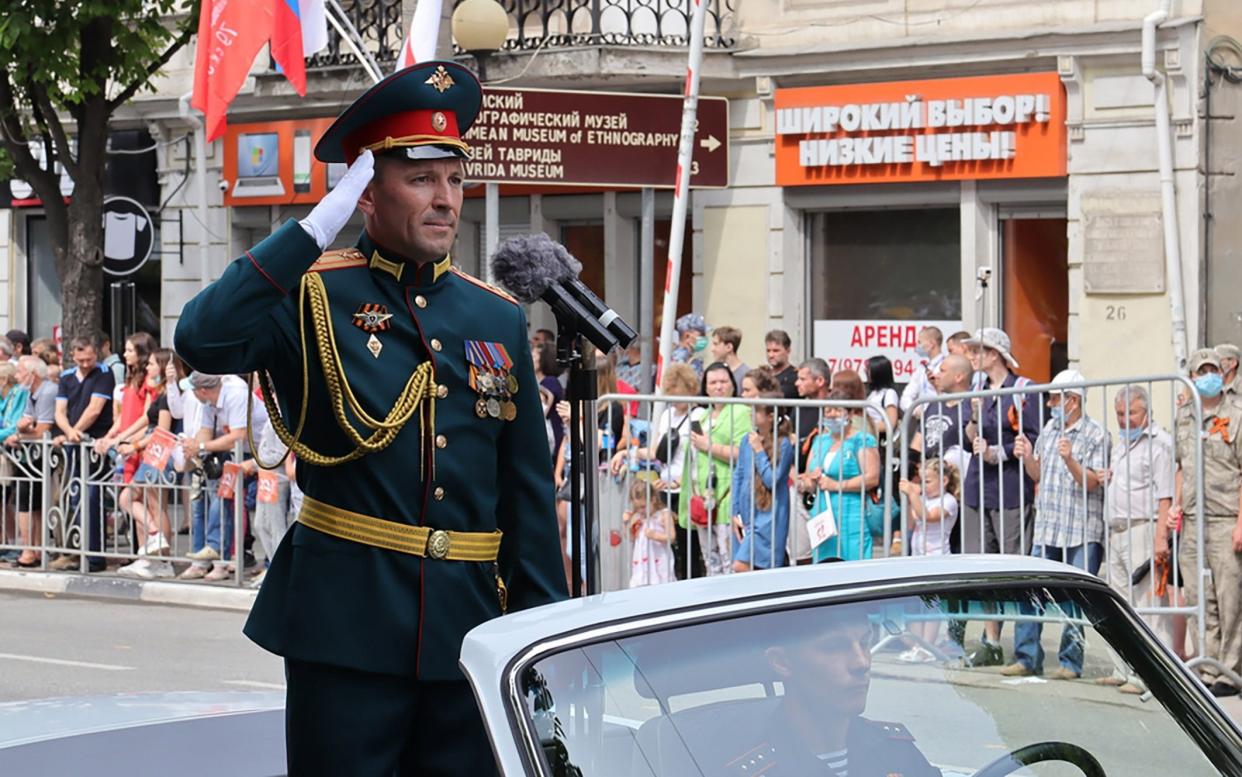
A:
81,277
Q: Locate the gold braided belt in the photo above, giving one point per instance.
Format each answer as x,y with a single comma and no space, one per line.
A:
419,541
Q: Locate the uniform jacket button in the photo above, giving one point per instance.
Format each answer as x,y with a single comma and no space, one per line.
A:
441,441
438,493
435,344
421,301
441,391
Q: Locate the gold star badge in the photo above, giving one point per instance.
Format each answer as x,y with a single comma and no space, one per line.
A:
438,121
440,80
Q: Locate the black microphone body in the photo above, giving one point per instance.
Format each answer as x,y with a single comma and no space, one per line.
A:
571,314
599,309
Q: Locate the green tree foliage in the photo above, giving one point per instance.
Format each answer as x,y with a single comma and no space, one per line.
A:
68,66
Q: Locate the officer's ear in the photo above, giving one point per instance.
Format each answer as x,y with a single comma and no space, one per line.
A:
366,202
779,661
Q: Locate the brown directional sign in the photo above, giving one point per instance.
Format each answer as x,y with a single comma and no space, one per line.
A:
561,137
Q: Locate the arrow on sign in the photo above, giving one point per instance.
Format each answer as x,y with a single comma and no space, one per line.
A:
710,143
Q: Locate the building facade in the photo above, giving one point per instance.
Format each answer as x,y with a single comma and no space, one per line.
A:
891,163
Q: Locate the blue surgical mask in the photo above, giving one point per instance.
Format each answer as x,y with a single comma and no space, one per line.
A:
834,426
1209,385
1057,414
700,344
1131,434
922,352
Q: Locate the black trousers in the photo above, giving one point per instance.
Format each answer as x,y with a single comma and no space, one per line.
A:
346,722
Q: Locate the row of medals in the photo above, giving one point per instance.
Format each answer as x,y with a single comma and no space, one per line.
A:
497,396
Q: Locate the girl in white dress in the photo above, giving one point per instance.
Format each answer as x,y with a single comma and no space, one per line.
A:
651,529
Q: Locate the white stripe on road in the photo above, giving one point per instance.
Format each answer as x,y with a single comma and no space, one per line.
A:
64,662
256,684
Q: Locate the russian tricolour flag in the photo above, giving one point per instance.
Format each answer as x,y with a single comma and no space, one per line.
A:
230,35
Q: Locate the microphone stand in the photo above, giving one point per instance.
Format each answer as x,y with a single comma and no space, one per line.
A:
583,488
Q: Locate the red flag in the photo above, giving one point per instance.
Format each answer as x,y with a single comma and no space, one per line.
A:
230,35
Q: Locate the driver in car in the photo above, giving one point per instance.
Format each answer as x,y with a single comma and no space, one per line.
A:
818,728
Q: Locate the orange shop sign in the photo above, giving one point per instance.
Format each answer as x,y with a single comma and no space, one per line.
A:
1010,126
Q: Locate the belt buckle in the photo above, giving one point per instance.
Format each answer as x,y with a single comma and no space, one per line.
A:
438,544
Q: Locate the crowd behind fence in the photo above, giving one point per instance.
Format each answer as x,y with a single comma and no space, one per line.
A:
714,485
1076,463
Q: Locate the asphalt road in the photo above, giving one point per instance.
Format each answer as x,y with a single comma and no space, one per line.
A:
61,646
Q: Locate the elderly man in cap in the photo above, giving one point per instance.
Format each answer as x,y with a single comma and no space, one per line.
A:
1229,354
1068,461
691,341
1221,542
998,496
406,389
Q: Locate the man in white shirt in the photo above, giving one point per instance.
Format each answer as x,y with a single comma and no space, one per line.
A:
222,425
1140,479
931,354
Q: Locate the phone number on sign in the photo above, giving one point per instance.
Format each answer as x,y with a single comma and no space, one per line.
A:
903,369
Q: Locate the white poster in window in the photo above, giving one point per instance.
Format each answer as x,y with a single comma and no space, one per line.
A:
847,344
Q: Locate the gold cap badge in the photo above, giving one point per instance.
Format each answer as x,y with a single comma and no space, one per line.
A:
440,80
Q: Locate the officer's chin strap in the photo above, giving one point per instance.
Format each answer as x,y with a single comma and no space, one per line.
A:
421,386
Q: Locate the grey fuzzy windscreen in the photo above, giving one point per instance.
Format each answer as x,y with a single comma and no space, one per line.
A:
527,264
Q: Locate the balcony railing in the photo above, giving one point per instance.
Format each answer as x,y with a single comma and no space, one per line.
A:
563,23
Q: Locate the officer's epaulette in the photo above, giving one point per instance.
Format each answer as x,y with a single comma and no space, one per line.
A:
339,260
483,285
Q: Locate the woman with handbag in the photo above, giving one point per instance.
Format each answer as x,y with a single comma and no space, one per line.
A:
669,434
715,434
844,465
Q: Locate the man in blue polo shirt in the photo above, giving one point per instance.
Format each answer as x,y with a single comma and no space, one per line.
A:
83,412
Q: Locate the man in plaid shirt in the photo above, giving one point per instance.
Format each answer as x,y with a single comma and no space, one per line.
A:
1068,461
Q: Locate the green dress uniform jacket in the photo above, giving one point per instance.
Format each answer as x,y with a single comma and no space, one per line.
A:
347,604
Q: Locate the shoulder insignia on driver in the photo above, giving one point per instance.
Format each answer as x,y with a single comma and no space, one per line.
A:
465,276
339,260
892,730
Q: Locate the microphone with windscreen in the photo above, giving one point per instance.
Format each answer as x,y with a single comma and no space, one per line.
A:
535,267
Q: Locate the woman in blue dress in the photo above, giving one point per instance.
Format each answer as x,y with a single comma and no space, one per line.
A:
845,463
761,491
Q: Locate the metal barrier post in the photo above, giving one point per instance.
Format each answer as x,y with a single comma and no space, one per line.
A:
239,513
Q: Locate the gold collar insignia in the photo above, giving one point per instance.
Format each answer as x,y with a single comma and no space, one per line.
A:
392,268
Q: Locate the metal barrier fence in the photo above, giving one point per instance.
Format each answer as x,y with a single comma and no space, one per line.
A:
1121,494
71,502
851,481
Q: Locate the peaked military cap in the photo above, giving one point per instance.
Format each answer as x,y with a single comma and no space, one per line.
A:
423,111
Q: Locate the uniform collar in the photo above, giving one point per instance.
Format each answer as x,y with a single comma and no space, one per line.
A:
385,262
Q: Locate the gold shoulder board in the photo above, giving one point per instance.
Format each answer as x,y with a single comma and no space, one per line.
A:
483,285
339,260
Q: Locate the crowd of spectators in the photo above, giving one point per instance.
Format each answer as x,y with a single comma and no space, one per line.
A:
157,446
708,487
1031,473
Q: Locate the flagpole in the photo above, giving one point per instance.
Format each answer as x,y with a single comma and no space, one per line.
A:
340,21
681,193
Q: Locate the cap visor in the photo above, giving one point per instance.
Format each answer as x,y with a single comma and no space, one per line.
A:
429,152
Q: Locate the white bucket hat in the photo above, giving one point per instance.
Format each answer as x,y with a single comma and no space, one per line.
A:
997,340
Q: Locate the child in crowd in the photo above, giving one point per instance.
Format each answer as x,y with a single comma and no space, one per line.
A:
933,514
760,490
651,527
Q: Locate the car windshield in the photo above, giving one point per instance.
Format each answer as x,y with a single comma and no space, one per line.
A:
837,690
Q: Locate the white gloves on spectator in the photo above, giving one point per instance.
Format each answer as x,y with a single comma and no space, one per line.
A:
334,210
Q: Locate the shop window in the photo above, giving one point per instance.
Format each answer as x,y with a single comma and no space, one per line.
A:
886,265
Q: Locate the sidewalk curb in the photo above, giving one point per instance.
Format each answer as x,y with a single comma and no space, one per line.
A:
104,586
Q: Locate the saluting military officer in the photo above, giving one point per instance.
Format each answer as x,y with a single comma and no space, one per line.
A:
406,389
1221,436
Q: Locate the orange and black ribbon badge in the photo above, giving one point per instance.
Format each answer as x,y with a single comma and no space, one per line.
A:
1220,425
372,317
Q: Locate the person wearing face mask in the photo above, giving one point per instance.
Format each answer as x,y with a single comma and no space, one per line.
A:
1067,460
1222,515
844,465
930,356
1140,493
692,342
